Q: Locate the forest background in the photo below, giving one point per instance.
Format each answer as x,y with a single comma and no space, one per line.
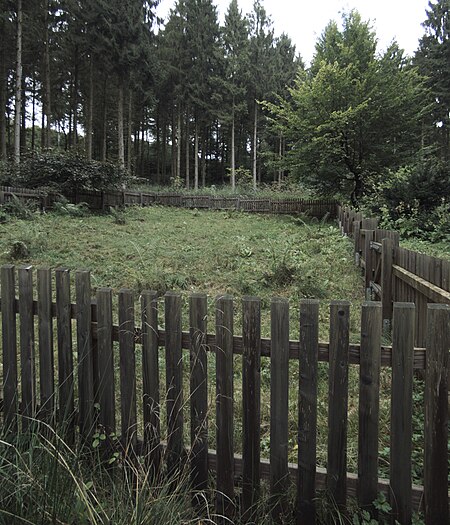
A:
195,103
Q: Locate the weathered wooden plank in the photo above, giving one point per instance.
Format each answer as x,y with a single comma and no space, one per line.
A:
338,401
46,359
401,411
199,394
436,415
224,407
369,391
106,384
251,404
150,378
127,372
387,255
9,345
27,351
368,260
174,382
279,393
433,292
307,412
65,356
85,357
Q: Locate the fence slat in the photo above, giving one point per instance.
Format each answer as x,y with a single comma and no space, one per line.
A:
65,356
150,379
27,357
251,404
127,372
174,382
338,401
307,412
436,416
224,407
387,255
199,393
369,402
106,385
279,392
401,410
9,344
85,358
46,360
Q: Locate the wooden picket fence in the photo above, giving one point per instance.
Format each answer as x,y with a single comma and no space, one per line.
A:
101,200
395,274
77,389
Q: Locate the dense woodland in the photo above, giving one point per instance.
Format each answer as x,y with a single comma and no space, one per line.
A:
196,103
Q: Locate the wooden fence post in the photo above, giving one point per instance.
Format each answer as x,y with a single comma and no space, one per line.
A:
224,408
150,379
356,240
307,412
198,308
436,415
368,272
387,259
106,384
27,351
85,358
174,382
279,392
9,346
65,355
127,362
251,404
401,410
46,359
369,391
338,402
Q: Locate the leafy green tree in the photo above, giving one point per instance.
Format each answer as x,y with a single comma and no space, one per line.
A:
346,118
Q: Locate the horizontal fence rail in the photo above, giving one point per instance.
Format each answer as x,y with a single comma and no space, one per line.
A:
97,200
88,361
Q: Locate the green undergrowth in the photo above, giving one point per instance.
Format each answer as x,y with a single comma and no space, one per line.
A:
195,251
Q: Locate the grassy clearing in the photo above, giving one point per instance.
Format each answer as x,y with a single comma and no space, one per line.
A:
216,253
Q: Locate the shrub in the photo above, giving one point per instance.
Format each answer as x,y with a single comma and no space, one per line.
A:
66,173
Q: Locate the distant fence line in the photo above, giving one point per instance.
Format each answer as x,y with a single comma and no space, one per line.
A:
79,390
100,200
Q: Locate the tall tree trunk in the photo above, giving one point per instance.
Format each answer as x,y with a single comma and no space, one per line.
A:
90,111
204,161
158,147
173,159
120,146
23,117
233,151
179,143
255,144
164,149
74,101
130,128
3,95
188,150
280,156
196,156
104,122
18,101
47,92
33,115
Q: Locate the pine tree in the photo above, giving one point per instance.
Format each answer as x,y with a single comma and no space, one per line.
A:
433,60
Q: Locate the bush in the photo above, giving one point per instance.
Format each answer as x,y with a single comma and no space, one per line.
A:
413,200
66,173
